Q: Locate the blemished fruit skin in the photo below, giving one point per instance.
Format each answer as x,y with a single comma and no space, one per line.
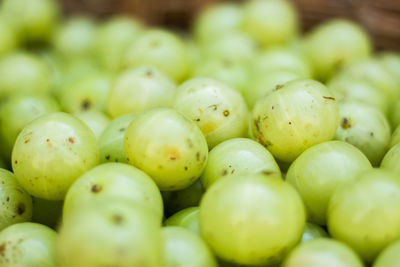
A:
51,152
111,140
364,127
160,49
237,156
109,232
235,219
166,137
28,245
15,202
138,89
184,248
365,213
322,252
218,110
294,117
311,174
114,180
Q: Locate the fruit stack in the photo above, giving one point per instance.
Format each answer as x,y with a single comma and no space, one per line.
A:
239,143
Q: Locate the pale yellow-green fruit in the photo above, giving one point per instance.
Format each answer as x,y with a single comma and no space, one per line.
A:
138,89
294,117
323,252
51,152
238,156
251,219
218,110
391,161
365,213
319,170
184,248
167,146
364,127
389,257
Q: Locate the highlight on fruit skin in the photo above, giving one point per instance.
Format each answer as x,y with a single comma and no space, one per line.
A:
174,157
366,224
295,116
51,152
235,211
218,110
311,174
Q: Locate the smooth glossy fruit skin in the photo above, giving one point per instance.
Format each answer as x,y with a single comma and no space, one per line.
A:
187,218
47,212
395,139
16,203
238,156
34,20
294,117
75,38
23,72
217,21
391,161
111,140
270,22
321,46
184,248
17,111
251,219
7,36
160,49
366,128
280,59
231,72
28,245
319,170
323,252
138,89
313,231
87,93
234,46
113,39
51,152
114,180
389,257
167,146
110,232
348,89
371,70
265,84
95,120
218,110
365,213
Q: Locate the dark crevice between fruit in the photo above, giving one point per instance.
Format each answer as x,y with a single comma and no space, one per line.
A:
21,208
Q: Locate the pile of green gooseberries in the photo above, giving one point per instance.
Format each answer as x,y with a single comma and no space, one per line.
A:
239,143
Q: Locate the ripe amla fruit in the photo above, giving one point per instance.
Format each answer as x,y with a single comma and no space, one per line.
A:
365,213
167,146
51,152
294,117
251,219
